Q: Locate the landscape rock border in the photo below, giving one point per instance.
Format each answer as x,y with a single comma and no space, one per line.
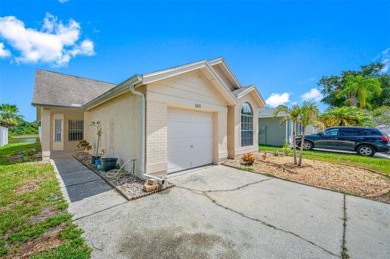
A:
120,187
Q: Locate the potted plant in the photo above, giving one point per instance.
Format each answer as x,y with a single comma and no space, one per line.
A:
109,163
99,132
98,160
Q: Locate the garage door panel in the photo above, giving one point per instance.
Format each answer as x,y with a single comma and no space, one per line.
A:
190,139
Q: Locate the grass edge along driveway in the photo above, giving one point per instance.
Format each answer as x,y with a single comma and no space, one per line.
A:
33,218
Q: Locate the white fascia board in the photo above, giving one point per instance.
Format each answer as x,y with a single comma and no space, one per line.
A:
167,73
226,89
252,88
227,70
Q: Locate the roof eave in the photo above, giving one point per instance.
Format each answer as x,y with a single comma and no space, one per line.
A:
168,73
34,104
114,92
227,70
252,89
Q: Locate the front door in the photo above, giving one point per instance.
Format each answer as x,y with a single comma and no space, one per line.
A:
58,132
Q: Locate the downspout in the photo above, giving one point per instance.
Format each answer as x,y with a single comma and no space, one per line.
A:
143,128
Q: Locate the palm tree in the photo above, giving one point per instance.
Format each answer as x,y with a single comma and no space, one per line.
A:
359,88
345,116
308,115
290,115
9,115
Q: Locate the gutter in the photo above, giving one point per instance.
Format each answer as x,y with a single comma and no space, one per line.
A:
136,79
131,84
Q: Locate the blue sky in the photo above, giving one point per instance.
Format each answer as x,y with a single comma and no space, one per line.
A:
284,47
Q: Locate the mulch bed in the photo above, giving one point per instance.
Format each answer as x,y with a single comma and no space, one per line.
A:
341,178
129,186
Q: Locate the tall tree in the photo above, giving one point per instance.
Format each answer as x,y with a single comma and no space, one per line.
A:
332,85
290,115
358,89
308,113
9,115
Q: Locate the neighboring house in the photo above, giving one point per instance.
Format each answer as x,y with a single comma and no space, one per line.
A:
170,120
274,133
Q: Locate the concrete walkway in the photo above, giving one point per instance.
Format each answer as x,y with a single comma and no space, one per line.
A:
221,212
85,191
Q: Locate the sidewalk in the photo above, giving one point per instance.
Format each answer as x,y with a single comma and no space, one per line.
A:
85,191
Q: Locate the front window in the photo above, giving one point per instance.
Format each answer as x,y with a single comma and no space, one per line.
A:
57,130
75,130
246,125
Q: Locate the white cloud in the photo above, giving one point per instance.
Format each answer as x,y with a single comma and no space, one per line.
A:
384,57
56,43
4,52
313,94
277,99
63,1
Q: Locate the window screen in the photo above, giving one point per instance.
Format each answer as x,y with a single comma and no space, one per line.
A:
246,125
57,130
75,130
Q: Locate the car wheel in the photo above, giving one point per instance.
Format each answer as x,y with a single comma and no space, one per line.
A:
307,145
366,150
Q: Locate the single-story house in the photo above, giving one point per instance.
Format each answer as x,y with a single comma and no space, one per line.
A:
169,120
274,133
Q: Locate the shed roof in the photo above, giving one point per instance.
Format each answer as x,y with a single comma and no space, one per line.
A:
52,88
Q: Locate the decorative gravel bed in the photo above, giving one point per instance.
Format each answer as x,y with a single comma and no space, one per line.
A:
337,177
129,185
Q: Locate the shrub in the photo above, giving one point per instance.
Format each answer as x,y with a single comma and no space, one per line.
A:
83,144
248,158
286,149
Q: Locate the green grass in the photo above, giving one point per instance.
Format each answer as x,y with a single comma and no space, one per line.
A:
19,205
14,148
374,163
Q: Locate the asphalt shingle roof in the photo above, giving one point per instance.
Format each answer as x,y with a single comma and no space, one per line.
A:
51,88
266,112
236,92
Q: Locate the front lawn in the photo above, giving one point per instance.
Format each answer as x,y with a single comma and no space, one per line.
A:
28,149
380,165
33,218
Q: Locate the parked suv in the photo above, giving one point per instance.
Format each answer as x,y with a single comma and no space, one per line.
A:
365,141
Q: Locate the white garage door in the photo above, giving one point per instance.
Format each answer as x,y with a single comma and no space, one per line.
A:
190,139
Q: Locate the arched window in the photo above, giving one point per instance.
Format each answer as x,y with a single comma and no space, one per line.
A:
246,125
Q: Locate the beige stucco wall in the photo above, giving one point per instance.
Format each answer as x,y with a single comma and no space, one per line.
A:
235,119
156,138
46,133
47,116
121,137
188,91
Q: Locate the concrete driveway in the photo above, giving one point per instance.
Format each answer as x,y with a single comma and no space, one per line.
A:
220,212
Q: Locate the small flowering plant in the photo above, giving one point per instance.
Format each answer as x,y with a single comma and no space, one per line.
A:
248,159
